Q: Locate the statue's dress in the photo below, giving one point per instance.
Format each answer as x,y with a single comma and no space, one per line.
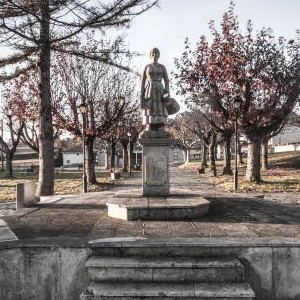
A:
153,103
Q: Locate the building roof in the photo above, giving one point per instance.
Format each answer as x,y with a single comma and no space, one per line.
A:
75,149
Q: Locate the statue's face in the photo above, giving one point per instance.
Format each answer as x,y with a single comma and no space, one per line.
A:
154,55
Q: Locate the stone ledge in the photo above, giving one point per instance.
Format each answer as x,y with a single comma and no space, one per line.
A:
209,243
108,290
6,234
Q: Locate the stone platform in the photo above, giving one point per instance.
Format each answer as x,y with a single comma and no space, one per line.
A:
263,232
180,205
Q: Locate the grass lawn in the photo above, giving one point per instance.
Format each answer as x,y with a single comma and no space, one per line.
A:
283,175
65,183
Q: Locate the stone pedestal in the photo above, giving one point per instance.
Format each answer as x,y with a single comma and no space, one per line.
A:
179,205
26,195
155,169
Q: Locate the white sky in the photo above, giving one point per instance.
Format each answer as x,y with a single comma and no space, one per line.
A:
167,27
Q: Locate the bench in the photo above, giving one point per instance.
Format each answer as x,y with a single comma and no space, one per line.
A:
26,171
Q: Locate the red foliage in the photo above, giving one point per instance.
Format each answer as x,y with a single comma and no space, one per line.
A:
262,72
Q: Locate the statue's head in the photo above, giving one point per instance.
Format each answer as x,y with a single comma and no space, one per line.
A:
154,51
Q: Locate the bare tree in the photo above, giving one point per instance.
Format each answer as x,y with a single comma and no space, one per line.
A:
202,128
184,138
15,128
120,110
129,128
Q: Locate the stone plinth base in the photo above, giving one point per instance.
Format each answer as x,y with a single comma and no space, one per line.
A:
26,195
180,205
155,170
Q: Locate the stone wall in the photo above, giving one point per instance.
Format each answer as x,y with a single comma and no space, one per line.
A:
273,272
59,273
42,273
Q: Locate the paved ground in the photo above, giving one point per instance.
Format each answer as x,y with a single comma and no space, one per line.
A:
81,218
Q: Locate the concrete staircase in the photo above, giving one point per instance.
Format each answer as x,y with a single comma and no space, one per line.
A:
135,273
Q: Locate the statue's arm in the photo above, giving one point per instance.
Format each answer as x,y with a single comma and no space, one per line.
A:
166,80
143,83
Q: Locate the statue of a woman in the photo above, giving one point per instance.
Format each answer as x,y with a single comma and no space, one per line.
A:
154,95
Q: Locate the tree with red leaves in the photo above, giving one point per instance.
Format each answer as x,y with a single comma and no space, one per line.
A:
258,70
17,112
21,97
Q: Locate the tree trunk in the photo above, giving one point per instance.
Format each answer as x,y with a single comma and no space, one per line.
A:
8,165
1,146
204,157
227,154
46,141
240,157
106,159
253,160
112,156
131,156
212,154
90,161
125,156
9,152
264,156
187,155
2,161
184,154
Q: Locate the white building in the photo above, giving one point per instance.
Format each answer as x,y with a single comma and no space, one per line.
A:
73,156
287,140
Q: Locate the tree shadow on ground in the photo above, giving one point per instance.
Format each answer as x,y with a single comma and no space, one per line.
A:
245,210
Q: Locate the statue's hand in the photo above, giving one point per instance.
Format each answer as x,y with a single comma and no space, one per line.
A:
166,95
167,99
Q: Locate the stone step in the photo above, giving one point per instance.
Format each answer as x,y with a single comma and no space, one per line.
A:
138,268
171,269
163,291
136,246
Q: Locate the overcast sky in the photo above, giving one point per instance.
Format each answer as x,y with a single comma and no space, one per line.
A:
168,26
